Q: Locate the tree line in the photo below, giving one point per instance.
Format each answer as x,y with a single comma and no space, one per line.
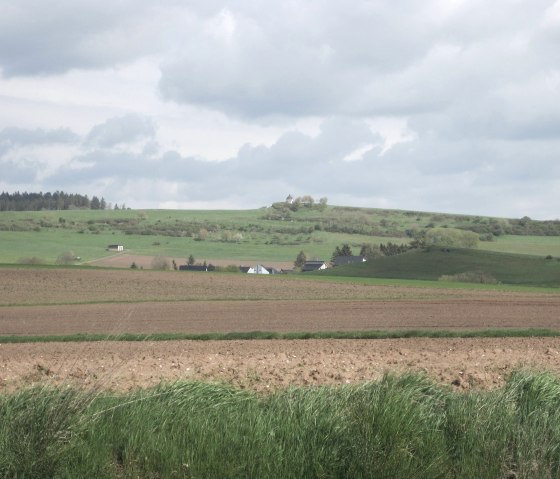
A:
59,200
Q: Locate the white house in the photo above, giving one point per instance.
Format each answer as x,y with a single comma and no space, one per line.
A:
258,269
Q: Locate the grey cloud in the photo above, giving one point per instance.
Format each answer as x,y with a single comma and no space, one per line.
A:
38,38
429,173
20,172
124,129
39,136
373,58
12,137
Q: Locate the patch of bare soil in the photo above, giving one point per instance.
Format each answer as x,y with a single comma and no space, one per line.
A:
65,301
278,316
270,365
29,286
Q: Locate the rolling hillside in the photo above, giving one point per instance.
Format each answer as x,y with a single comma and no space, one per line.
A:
273,233
432,264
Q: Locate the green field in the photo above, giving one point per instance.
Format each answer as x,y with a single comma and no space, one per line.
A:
273,234
534,245
398,427
431,265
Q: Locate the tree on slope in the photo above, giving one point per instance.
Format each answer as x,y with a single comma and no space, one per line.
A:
300,260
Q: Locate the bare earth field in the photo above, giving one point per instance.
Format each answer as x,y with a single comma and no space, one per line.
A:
268,365
66,301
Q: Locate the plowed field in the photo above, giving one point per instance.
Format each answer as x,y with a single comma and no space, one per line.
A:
65,301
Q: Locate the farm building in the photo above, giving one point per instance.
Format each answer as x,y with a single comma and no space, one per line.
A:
342,260
258,269
313,266
115,247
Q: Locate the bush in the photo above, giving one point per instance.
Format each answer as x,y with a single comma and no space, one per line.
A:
160,262
470,277
451,238
68,257
31,260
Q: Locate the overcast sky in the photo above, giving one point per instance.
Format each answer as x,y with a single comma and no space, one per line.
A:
439,105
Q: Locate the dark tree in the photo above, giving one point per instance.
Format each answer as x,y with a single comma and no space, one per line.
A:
300,260
95,204
370,251
345,250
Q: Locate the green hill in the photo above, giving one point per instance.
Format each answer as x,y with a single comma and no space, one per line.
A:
275,233
432,264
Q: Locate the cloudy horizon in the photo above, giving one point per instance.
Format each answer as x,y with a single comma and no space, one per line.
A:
445,105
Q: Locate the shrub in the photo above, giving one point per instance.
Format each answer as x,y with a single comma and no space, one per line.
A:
160,262
451,238
470,277
68,257
31,260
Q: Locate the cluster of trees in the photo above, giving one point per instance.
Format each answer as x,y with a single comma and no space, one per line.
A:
372,251
451,238
59,200
306,201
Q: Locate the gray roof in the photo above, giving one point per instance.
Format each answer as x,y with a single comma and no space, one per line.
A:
342,260
312,265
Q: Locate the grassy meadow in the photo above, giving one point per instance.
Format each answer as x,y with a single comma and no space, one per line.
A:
433,264
399,426
265,234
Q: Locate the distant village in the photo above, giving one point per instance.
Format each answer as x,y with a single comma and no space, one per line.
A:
304,267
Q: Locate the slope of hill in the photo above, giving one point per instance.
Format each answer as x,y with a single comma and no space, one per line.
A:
432,264
275,233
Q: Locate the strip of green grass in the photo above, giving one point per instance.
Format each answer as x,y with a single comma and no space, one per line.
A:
516,269
254,335
398,427
422,283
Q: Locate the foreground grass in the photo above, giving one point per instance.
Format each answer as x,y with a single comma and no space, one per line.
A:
265,335
395,428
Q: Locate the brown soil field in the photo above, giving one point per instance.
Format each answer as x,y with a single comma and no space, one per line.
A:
277,316
40,286
270,365
36,301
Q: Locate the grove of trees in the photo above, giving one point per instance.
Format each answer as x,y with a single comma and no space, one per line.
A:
451,238
59,200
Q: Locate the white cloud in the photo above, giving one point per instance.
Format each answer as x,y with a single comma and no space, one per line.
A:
437,105
125,129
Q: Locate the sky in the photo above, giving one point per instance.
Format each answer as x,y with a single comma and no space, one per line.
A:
440,105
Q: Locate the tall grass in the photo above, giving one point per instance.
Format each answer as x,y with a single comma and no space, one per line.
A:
262,335
397,427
